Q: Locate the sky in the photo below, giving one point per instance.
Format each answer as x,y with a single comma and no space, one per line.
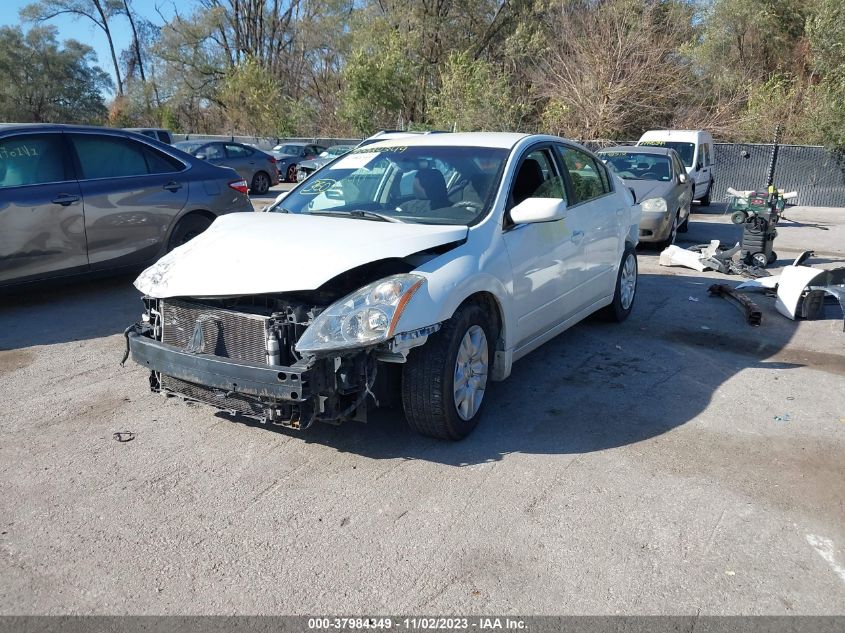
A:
86,31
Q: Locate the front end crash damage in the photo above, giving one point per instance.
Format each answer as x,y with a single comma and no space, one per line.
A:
239,355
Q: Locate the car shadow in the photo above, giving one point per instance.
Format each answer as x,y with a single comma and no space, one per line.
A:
601,385
60,311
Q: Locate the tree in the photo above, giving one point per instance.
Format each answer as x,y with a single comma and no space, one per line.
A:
612,67
97,11
46,82
474,96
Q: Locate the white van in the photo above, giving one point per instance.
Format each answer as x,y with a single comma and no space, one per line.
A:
695,147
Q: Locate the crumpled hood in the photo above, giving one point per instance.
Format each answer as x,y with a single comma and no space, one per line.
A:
645,189
258,253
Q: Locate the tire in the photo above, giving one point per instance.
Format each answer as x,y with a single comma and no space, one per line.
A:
683,227
673,234
773,257
739,217
260,183
187,229
290,173
705,200
760,259
623,302
428,377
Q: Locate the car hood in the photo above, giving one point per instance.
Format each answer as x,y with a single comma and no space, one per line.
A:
645,189
259,253
314,163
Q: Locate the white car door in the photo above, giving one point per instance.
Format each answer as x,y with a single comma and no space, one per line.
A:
599,212
545,257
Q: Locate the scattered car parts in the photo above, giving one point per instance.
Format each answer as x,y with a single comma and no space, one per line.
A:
753,315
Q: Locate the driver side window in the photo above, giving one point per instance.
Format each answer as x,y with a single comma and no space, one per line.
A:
537,177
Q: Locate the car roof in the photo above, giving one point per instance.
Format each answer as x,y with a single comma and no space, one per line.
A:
504,140
638,149
60,126
689,136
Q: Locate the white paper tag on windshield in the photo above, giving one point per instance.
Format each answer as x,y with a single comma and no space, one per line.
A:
355,161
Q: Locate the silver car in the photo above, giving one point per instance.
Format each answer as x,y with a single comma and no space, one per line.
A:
661,185
258,168
308,167
77,199
289,155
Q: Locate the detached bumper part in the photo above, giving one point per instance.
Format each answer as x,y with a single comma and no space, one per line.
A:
278,394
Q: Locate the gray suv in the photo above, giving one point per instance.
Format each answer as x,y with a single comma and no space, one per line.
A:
76,199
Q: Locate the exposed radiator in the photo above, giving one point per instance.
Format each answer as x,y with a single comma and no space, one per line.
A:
227,333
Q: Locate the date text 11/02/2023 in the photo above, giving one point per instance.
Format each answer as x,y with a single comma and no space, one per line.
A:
417,623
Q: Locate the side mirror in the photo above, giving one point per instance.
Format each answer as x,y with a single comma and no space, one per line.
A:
633,193
682,178
699,166
201,156
532,210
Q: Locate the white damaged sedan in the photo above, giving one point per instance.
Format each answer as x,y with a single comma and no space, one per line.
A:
412,271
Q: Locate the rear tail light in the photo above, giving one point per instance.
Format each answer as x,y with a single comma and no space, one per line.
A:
239,185
272,160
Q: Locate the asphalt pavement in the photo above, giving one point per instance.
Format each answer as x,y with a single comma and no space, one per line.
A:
682,462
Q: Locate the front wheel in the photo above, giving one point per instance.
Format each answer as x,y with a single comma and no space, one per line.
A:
290,175
443,382
626,288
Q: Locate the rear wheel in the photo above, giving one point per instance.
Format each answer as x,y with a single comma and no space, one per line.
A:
187,229
260,183
443,382
626,288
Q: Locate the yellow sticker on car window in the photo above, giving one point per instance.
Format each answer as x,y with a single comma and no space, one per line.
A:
655,143
318,186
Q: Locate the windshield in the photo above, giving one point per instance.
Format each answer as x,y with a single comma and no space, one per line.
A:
638,166
424,185
685,150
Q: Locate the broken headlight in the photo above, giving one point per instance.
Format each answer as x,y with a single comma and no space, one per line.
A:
365,317
654,205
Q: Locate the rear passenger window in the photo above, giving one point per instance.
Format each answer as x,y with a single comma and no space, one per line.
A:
236,151
589,180
32,159
116,157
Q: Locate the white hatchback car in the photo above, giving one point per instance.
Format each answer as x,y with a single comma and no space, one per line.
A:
409,271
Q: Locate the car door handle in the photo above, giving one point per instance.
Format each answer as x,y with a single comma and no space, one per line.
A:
65,199
173,186
576,236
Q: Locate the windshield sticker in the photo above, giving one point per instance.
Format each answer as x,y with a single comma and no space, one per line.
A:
355,161
655,143
603,154
369,149
318,186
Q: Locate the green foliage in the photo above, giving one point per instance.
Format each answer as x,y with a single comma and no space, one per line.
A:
48,82
255,103
379,77
474,96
